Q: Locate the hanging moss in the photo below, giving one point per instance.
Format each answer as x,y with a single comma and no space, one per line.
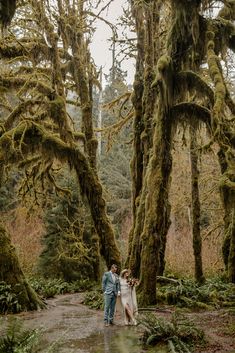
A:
189,111
165,78
35,138
228,10
191,81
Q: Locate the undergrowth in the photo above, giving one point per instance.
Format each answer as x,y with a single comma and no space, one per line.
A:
15,339
45,288
179,334
94,299
48,288
214,293
8,300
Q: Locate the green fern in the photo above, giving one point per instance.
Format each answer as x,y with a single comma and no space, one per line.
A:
48,288
179,333
8,300
213,293
94,300
18,340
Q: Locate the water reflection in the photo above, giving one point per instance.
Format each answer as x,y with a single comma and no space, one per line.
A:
115,340
124,340
110,340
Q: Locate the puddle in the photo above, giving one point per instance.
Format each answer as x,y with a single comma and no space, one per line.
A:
109,340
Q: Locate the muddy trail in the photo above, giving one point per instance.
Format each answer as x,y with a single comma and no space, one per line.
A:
71,327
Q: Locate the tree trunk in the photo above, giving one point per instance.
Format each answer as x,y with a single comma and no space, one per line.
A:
11,273
196,207
157,208
144,104
138,127
228,199
182,41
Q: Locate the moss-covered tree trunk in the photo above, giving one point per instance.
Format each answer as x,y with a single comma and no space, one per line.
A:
144,98
228,199
133,259
11,273
157,208
196,207
182,41
190,38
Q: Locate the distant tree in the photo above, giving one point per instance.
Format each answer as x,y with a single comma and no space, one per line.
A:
70,241
114,161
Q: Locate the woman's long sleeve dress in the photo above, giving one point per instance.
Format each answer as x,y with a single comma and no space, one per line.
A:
128,297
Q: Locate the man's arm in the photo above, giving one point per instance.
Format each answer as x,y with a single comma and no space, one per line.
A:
104,282
118,286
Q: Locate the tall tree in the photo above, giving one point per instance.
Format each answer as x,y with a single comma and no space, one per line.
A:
52,56
192,40
195,206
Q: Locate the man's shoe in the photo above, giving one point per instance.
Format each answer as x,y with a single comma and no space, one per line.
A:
106,324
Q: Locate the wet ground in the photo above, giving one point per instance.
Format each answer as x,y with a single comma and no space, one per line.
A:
71,327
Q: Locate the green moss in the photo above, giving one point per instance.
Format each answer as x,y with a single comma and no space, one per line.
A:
56,106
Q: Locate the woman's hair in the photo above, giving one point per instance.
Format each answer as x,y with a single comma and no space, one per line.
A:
123,272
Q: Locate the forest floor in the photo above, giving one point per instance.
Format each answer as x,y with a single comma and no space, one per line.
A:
71,327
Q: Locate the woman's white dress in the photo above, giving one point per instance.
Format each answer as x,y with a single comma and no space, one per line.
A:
128,296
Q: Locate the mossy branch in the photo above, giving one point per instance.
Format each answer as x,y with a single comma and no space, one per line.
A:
191,111
13,82
29,50
21,108
192,81
36,139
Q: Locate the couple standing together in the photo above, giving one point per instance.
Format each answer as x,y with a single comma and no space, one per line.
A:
114,286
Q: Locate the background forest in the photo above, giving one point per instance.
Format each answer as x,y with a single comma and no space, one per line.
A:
95,170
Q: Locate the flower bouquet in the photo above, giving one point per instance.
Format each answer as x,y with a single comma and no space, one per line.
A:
132,281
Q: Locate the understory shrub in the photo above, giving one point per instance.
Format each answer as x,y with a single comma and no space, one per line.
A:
179,334
8,300
15,339
187,293
94,299
48,288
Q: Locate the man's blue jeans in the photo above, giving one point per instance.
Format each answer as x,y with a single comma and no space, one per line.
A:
109,307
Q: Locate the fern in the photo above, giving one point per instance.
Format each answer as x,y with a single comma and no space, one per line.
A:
179,333
18,340
94,300
8,300
187,293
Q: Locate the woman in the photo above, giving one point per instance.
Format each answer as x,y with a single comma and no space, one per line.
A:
128,297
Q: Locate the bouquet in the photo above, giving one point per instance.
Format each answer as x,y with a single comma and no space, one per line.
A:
132,281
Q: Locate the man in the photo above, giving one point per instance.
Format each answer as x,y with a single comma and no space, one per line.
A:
111,288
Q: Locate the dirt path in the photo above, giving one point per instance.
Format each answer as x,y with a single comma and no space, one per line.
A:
74,328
